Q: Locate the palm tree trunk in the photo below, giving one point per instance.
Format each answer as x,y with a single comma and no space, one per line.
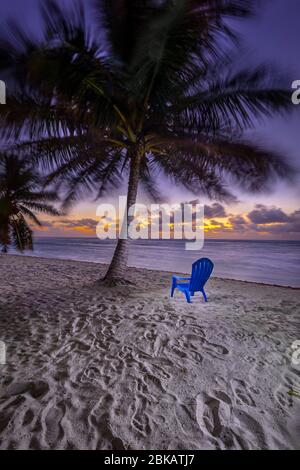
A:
4,235
118,266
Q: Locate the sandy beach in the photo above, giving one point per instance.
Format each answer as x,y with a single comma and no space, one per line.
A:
90,367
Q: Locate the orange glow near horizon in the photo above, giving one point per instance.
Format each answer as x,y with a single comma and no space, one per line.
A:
235,224
210,225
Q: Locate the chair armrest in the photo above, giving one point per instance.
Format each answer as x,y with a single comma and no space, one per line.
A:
178,278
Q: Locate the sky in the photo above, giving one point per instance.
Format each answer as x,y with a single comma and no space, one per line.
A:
272,37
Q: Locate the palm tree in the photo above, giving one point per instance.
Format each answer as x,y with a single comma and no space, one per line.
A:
21,197
145,90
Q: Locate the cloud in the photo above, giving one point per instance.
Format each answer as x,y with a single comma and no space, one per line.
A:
69,224
238,223
46,224
79,223
262,221
216,210
291,226
273,220
263,215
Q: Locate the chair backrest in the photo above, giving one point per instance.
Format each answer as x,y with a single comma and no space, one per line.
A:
201,272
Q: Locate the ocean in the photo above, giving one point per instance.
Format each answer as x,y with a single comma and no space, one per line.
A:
269,262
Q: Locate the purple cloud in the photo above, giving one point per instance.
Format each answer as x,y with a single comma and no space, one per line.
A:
268,215
215,210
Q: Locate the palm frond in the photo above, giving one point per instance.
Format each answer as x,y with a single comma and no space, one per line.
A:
30,215
41,208
21,197
122,21
21,233
232,102
247,163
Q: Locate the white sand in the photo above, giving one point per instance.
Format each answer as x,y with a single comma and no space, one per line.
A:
95,368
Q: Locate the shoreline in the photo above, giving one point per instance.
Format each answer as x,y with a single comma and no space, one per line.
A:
149,270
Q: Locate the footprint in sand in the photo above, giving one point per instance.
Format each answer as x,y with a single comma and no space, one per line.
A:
34,444
213,413
178,352
186,419
36,390
284,399
154,384
241,393
287,394
28,418
51,423
220,381
140,423
99,419
196,356
8,412
96,375
225,426
250,359
215,349
157,371
197,330
250,431
180,323
73,346
79,324
125,354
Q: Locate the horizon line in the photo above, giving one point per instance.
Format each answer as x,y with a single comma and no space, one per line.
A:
172,240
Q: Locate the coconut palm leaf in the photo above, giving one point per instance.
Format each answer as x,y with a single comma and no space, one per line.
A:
21,233
21,198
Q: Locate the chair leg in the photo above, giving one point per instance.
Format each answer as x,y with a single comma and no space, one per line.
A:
172,291
204,295
187,296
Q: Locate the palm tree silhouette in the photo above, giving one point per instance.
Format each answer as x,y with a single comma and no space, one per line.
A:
21,197
144,90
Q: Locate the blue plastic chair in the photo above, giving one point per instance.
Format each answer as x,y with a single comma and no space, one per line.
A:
201,272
